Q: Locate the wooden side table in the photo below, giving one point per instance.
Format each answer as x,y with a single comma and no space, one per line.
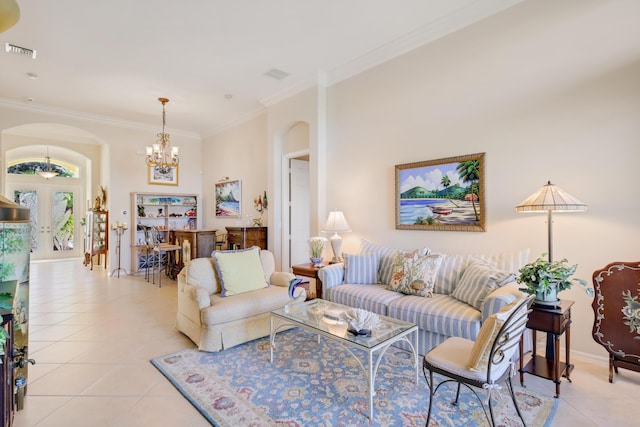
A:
555,321
308,270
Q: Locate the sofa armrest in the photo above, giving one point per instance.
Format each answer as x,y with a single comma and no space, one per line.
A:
332,275
500,297
281,278
192,294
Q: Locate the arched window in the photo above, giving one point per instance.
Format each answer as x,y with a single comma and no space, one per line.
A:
31,166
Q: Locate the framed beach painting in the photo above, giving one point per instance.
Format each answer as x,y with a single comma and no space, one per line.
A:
228,199
159,177
443,194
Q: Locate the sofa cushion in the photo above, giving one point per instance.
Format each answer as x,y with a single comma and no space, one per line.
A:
440,314
239,271
201,272
453,266
374,298
478,280
387,258
245,305
415,274
361,269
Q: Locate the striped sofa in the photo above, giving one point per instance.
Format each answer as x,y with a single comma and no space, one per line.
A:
444,314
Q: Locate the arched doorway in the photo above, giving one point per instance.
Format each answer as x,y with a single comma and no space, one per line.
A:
57,204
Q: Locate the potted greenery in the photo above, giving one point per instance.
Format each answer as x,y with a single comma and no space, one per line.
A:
545,279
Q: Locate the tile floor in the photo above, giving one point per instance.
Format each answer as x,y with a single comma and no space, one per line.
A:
93,335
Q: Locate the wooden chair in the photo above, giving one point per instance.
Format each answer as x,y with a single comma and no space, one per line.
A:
616,305
492,352
221,240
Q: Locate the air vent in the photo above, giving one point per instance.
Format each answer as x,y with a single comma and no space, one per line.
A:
276,74
12,48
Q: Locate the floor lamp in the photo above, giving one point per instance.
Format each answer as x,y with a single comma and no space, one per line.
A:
336,223
550,199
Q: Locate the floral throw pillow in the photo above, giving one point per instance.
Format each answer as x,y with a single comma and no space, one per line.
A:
415,274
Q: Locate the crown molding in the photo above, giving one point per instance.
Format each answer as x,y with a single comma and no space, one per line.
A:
235,122
88,117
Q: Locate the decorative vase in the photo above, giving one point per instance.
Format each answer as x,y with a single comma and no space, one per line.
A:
547,297
316,261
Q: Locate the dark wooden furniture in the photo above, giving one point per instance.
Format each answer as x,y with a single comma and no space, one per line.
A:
201,242
614,325
555,321
7,402
246,237
308,270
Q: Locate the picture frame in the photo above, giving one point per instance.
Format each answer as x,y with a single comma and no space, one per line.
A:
441,195
229,199
156,177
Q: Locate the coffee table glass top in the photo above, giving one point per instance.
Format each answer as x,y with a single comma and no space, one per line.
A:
326,316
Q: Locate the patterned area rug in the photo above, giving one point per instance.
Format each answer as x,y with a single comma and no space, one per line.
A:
311,384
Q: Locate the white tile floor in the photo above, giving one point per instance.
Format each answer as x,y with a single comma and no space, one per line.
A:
93,335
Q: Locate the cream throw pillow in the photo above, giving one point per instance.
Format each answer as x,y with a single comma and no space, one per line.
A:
239,271
415,274
488,333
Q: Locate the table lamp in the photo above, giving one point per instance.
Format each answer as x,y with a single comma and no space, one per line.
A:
336,223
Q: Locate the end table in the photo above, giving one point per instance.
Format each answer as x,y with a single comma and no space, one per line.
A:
555,321
308,270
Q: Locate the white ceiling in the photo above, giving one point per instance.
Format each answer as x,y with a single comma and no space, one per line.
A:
113,59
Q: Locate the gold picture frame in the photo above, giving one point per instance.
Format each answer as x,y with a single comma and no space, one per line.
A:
443,194
156,176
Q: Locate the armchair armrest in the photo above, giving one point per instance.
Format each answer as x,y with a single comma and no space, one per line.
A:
192,294
332,275
500,297
281,278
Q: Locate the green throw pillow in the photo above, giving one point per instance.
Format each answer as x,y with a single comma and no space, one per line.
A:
239,271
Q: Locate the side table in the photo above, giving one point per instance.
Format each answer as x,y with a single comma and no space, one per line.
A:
308,270
555,321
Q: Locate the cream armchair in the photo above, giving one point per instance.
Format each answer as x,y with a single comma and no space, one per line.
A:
215,322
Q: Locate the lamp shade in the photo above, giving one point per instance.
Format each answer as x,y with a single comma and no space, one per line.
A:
551,198
336,222
9,14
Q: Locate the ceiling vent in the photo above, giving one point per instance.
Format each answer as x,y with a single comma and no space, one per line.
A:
274,73
12,48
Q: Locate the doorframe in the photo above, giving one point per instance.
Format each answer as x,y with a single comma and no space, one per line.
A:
285,231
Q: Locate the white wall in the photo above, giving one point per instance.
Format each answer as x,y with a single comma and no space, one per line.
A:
238,153
546,92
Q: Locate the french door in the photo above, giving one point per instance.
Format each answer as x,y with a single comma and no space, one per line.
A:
55,219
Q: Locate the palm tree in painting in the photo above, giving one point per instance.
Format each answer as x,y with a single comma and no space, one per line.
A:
469,172
446,182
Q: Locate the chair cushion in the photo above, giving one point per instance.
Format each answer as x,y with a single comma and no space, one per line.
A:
361,269
387,258
244,306
239,271
201,272
478,280
490,328
415,274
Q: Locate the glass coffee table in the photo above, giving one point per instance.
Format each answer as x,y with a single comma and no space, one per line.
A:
324,319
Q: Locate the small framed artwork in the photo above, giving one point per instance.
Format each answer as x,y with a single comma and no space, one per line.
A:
159,177
442,194
228,199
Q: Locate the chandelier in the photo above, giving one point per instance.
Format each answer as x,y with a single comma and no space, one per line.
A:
48,173
161,155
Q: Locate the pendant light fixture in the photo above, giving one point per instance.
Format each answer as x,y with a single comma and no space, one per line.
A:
161,155
48,173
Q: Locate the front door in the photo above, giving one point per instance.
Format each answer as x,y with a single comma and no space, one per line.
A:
54,219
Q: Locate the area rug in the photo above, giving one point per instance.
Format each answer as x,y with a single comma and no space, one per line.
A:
321,384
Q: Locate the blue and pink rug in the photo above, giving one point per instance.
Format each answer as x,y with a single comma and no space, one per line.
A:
311,384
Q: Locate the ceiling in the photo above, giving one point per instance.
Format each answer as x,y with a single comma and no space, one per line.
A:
111,60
